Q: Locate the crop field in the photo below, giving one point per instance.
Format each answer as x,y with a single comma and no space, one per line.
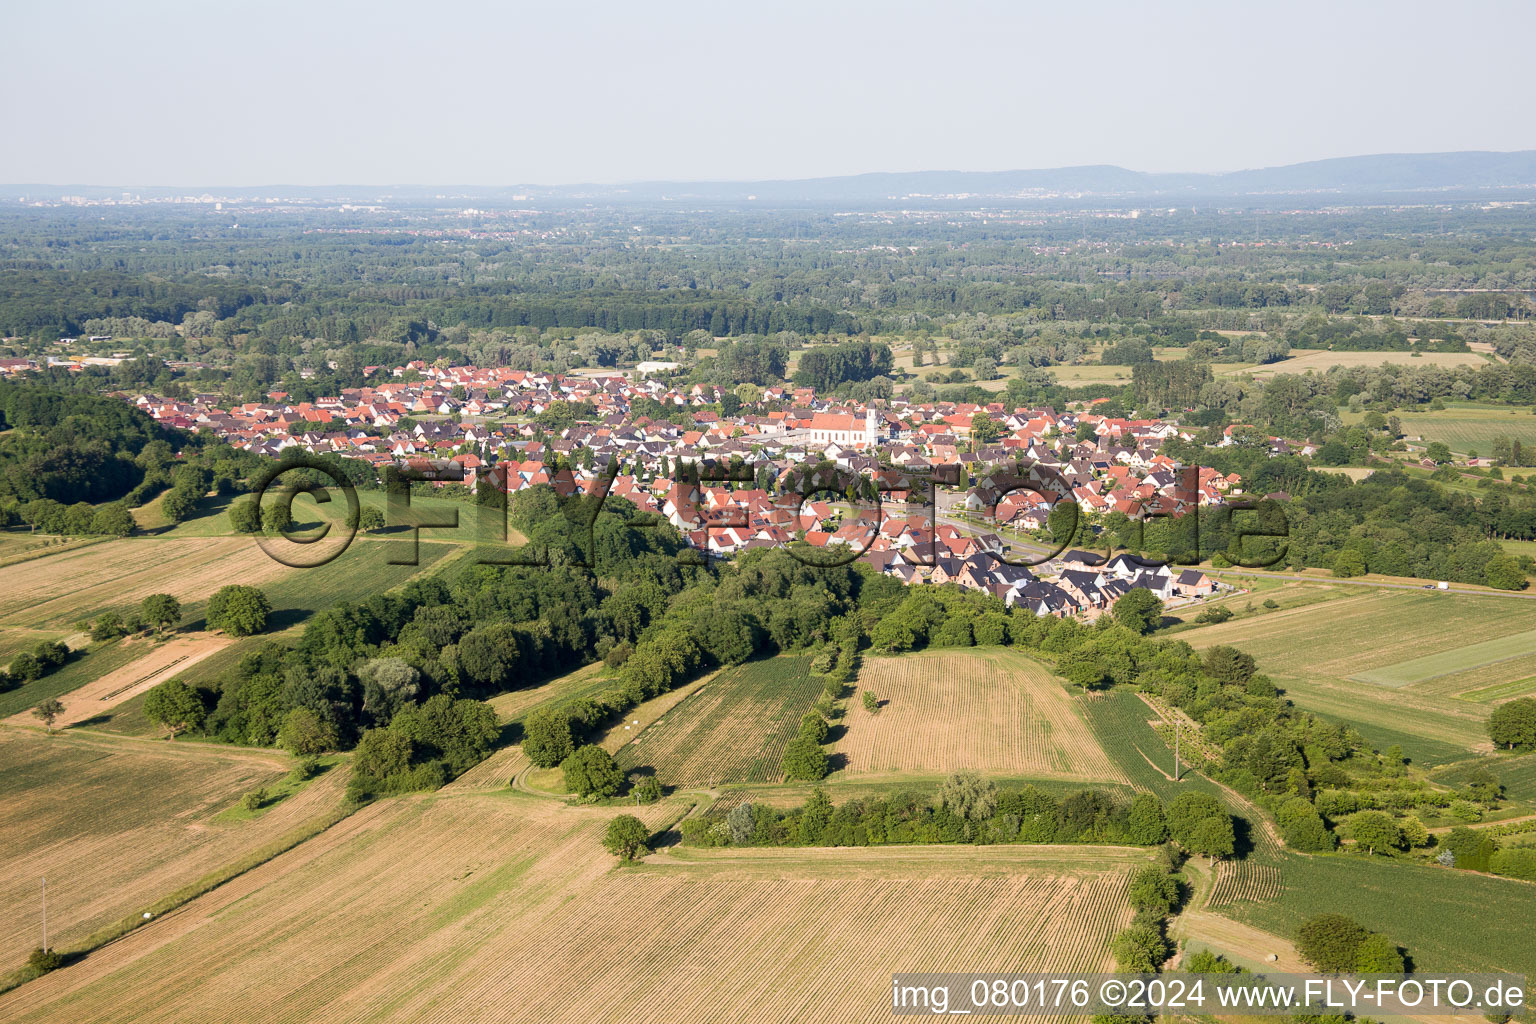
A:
155,664
14,641
1316,654
1240,882
1518,774
82,667
1505,690
18,546
117,824
507,896
516,704
56,591
991,711
1463,426
1457,659
1447,919
734,729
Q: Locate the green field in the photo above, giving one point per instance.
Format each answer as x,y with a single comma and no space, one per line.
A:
1518,774
1503,691
1457,659
734,729
1448,920
1467,425
95,661
1317,654
14,641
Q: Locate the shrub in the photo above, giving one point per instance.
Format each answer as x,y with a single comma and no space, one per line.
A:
40,961
1330,943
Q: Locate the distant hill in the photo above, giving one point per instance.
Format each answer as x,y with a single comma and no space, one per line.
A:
1383,173
1356,177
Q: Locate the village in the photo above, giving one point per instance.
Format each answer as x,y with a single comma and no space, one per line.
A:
480,427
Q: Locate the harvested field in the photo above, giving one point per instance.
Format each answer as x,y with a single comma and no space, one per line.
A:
116,824
503,907
155,665
734,729
994,712
56,591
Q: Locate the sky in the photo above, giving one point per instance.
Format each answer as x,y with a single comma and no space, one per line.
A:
166,92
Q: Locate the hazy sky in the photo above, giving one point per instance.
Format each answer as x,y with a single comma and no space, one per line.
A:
447,91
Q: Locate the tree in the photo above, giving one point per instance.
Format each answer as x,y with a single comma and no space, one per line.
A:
108,626
388,685
1438,453
1229,665
1330,943
370,519
968,795
1188,810
1378,954
1510,725
547,737
871,702
1139,610
178,503
1154,891
1302,827
1375,832
245,516
276,518
804,760
1147,820
174,705
1503,572
238,610
741,823
984,429
1214,837
160,611
26,667
1348,563
113,520
47,711
590,772
381,753
40,961
626,837
306,734
1141,949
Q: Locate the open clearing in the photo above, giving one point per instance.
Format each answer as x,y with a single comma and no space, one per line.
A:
1317,653
734,729
1302,359
157,664
504,907
117,824
989,711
